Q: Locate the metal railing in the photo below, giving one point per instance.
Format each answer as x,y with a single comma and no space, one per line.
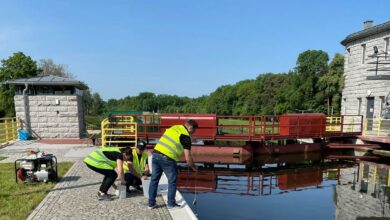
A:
378,127
119,131
9,130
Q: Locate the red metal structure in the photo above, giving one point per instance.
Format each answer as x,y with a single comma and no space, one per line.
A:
249,128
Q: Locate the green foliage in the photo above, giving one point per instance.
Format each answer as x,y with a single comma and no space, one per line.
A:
16,66
18,200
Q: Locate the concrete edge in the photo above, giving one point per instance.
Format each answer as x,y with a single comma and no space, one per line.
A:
177,214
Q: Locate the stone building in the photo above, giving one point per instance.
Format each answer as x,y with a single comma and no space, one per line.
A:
50,106
367,74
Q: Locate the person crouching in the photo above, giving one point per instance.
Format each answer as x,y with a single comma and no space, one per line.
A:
104,161
137,168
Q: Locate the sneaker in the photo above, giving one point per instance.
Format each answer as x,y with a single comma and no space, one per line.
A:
175,206
152,207
104,197
138,188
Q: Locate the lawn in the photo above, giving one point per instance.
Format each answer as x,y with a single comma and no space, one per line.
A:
18,200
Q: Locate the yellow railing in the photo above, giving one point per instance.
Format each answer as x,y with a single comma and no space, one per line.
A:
119,131
333,123
9,130
378,127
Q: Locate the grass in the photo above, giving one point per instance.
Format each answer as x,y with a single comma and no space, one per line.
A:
2,158
18,200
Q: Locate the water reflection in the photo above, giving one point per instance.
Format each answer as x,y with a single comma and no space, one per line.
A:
286,187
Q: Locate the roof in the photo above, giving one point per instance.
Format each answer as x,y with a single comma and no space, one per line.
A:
366,32
48,80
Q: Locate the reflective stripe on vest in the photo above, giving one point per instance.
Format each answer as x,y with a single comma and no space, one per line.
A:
138,166
169,144
99,160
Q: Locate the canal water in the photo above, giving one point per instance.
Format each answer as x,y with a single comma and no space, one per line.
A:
287,188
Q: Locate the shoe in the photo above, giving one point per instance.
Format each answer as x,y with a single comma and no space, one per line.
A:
175,206
138,188
104,197
152,207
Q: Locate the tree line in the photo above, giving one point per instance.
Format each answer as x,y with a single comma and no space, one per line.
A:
314,85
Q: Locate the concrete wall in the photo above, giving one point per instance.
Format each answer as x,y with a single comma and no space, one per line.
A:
51,118
355,83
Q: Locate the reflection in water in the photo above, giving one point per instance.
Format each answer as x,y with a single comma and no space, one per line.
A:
363,191
291,187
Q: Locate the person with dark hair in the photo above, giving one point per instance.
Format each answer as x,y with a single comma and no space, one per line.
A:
104,161
172,144
137,168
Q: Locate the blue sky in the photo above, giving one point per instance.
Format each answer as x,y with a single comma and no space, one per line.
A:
184,48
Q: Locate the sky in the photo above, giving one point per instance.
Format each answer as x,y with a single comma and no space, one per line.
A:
185,48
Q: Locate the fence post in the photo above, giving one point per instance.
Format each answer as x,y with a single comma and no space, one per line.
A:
379,127
13,121
6,130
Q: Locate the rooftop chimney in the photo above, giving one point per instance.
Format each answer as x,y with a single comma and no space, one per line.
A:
368,24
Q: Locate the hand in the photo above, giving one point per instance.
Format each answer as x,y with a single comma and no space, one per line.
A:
144,177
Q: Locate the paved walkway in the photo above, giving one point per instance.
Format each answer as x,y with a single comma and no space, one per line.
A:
74,197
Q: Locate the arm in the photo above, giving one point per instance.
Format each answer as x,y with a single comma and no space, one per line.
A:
132,170
187,154
119,165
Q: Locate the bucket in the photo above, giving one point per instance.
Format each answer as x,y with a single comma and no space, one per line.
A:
145,187
122,191
23,134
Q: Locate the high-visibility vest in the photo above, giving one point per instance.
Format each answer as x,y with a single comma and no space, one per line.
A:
169,144
98,160
138,165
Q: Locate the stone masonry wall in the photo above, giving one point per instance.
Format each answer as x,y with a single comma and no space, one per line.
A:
53,119
355,72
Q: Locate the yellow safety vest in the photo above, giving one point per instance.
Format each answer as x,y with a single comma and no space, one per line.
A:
139,166
169,144
98,160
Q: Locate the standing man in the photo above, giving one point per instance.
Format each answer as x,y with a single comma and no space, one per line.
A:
104,161
137,168
167,152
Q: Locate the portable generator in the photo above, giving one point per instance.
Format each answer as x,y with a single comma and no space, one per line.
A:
36,167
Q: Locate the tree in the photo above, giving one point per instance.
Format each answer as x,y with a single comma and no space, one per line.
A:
311,65
16,66
48,67
331,83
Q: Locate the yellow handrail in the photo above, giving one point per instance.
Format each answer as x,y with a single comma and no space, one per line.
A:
119,130
379,127
9,129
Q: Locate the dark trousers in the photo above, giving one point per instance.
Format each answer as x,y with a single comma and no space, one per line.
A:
132,180
160,164
109,177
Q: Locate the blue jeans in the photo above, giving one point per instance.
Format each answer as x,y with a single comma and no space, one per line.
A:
160,164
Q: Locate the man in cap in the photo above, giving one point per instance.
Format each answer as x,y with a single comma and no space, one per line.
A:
137,168
175,141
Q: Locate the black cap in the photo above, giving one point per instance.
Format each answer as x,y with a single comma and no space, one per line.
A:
141,145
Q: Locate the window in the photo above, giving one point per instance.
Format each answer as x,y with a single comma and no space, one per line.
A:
386,47
359,107
363,52
348,55
345,106
382,105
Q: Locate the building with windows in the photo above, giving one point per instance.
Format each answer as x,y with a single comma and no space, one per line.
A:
367,78
50,106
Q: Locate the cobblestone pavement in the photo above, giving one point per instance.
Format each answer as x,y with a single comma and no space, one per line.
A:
75,198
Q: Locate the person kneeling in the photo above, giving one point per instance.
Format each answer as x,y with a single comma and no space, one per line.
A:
137,168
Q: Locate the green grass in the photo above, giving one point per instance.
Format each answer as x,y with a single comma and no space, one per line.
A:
2,158
240,126
18,200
